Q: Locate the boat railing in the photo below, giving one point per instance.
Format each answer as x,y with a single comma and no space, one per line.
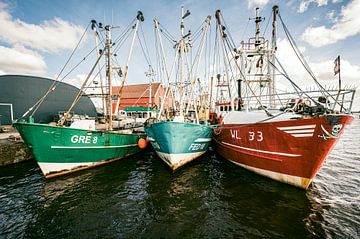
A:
344,103
251,44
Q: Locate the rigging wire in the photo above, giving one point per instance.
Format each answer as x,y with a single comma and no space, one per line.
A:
55,82
146,46
167,32
243,76
247,24
143,51
291,81
303,61
267,24
231,39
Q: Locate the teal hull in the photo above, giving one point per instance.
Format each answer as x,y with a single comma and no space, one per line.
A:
61,150
177,143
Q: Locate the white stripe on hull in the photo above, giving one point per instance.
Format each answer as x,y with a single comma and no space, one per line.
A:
285,178
262,151
93,147
202,140
302,135
299,131
47,168
177,160
311,126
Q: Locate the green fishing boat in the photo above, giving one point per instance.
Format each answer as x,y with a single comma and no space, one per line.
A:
61,148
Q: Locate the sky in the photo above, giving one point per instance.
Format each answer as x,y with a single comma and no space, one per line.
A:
38,36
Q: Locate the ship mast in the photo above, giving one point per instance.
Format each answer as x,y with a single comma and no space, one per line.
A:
182,49
272,58
257,29
108,74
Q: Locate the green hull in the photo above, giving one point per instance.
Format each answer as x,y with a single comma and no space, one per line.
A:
60,150
177,143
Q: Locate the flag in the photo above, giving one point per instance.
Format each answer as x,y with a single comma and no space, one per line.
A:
337,65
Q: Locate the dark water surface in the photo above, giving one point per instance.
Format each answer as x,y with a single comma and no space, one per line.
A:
139,197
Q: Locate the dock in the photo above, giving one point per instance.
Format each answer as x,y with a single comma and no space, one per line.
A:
12,147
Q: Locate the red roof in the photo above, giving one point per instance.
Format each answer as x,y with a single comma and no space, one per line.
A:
136,91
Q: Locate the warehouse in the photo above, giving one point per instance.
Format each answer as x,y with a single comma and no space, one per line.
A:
18,93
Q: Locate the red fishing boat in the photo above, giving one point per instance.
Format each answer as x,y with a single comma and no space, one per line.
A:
288,143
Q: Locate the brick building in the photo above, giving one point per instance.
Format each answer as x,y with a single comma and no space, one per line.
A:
139,95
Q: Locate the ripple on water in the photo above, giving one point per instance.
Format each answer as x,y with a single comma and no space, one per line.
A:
140,197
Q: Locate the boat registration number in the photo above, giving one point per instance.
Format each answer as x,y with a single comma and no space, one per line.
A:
195,146
76,139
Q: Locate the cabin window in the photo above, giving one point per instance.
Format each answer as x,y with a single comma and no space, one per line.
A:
229,108
226,108
221,108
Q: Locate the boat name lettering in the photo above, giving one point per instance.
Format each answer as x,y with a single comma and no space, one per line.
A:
235,134
83,139
258,135
197,146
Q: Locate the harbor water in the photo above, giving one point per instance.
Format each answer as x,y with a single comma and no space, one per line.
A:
139,197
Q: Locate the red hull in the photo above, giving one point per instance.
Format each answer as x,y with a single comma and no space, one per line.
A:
290,151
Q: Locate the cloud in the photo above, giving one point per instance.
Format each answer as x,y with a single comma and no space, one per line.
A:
18,60
257,3
50,36
347,26
79,79
304,5
323,70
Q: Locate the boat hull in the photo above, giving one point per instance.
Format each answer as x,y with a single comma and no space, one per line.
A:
61,150
178,143
291,151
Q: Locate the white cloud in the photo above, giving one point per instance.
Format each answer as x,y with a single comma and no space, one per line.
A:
304,5
347,26
257,3
50,35
323,70
18,60
79,79
76,80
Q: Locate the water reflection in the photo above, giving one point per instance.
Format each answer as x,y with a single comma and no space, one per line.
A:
20,190
315,219
140,197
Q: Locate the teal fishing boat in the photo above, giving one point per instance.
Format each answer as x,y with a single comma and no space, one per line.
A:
181,134
60,148
178,143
